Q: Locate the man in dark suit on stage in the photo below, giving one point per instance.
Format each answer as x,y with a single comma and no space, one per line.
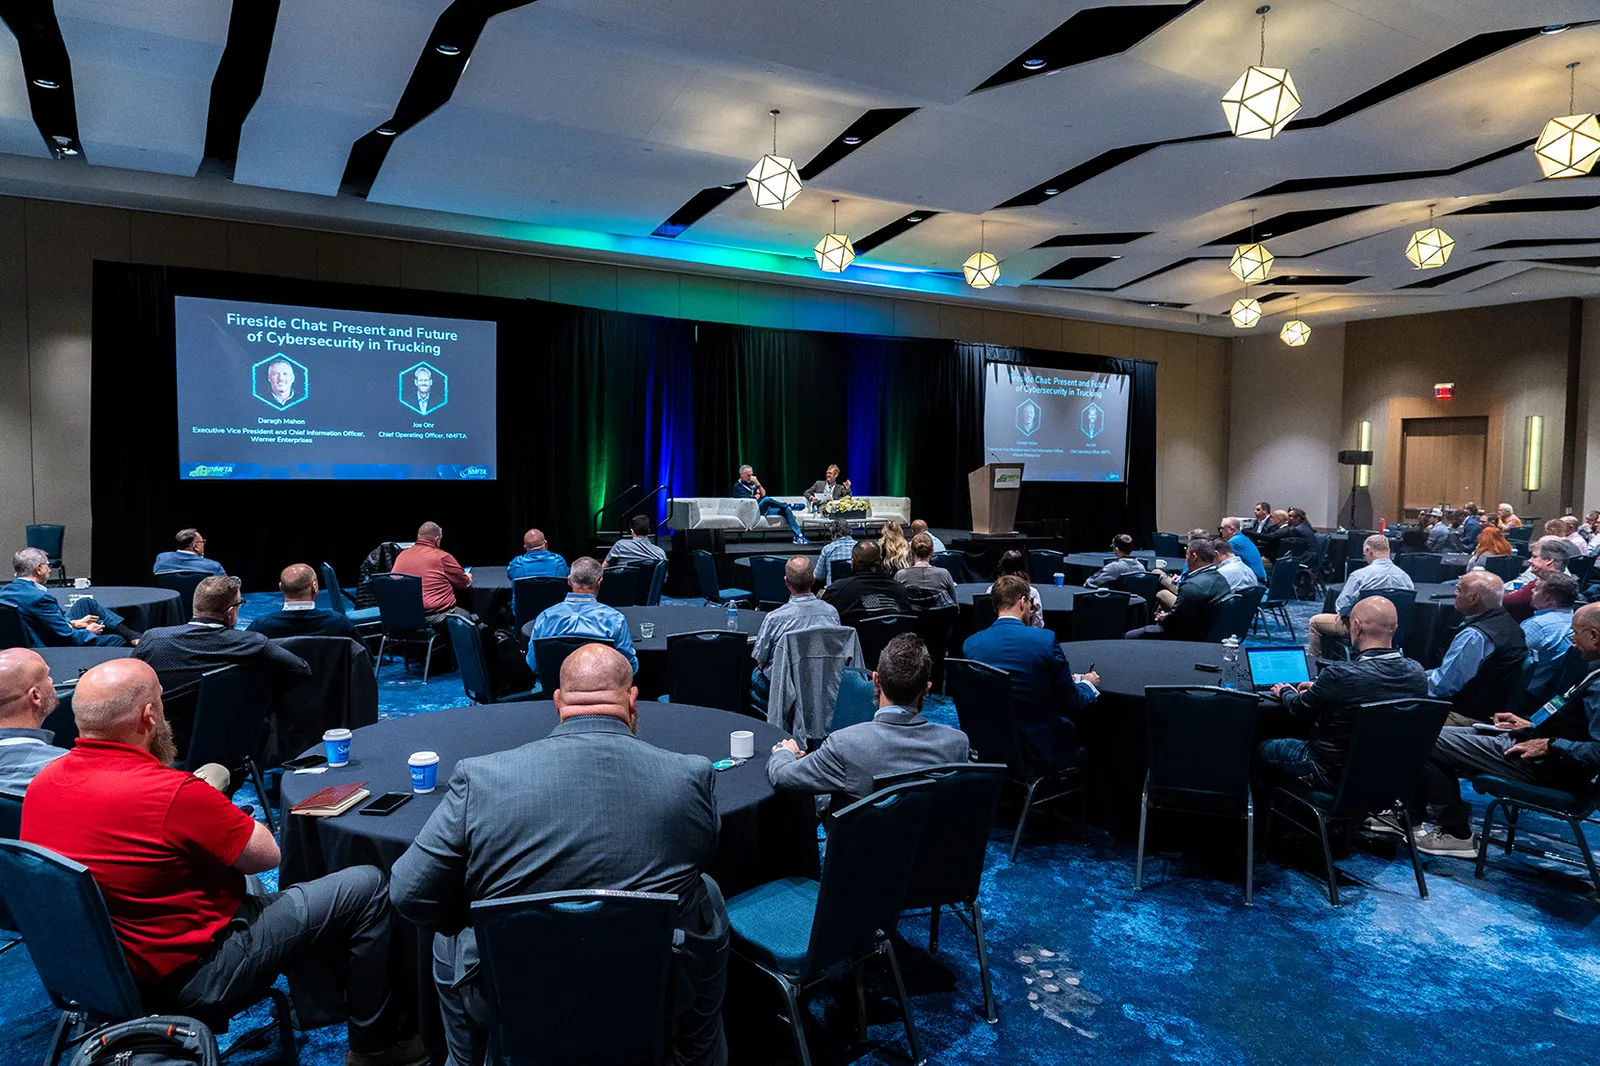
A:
589,807
300,616
1043,687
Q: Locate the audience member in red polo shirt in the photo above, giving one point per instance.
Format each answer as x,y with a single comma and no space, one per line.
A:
170,854
440,573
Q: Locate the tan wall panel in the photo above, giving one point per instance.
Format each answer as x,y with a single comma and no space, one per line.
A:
358,260
513,277
289,253
438,267
177,240
16,418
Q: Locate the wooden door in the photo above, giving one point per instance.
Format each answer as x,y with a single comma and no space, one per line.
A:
1443,461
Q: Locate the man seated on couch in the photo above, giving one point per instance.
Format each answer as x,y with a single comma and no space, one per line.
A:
748,487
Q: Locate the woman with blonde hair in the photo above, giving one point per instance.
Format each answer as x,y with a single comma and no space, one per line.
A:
896,549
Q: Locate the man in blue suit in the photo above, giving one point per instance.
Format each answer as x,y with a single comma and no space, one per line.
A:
1044,688
47,625
190,555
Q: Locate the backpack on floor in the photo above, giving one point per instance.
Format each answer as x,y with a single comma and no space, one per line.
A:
160,1040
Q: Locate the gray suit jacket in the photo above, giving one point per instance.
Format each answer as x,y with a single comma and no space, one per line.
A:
820,488
896,740
590,806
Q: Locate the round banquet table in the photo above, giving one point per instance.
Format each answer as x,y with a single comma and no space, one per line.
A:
654,676
491,589
1056,601
140,608
1089,562
764,835
66,666
1432,624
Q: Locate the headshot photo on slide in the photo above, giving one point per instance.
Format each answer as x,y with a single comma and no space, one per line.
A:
1029,417
424,388
280,382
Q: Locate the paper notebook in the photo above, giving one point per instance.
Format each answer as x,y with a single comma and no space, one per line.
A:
331,801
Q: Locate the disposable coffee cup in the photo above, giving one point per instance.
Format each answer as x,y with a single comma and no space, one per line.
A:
742,744
647,630
80,582
336,745
1061,579
424,770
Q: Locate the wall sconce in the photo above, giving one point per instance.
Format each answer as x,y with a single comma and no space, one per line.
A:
1363,443
1533,455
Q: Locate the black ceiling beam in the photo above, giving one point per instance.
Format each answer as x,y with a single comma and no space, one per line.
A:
699,206
1080,240
1075,267
241,73
48,70
1289,222
857,134
1092,168
1312,280
1537,242
1091,34
887,233
1433,281
433,81
1531,205
1351,181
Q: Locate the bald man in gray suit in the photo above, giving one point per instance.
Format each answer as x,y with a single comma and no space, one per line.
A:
591,806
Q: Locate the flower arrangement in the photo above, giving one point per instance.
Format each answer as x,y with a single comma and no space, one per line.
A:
846,505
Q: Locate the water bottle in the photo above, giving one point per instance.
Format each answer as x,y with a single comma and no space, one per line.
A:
733,617
1231,666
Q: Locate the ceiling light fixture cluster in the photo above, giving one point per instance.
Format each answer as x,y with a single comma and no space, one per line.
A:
835,251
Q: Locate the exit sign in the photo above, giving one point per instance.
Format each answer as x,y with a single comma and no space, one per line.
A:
1444,390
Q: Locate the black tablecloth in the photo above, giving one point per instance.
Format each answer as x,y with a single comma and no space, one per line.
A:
1056,601
491,589
654,676
140,608
1432,624
1089,562
66,666
764,835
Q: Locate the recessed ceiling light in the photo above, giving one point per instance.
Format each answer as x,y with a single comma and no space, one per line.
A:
1052,192
731,185
384,131
913,218
852,139
1153,303
45,83
74,151
61,139
1116,257
447,49
1034,63
1560,27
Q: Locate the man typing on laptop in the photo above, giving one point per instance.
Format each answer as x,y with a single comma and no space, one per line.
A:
1328,706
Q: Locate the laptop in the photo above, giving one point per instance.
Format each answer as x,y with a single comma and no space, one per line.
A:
1276,666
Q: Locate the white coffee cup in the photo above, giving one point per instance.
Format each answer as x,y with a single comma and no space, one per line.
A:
424,770
742,744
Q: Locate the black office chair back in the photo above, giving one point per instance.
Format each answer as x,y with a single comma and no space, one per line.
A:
530,596
1280,584
1520,534
766,580
230,716
872,845
342,692
838,570
399,602
1200,742
985,709
550,652
337,601
1424,568
857,701
466,642
1505,567
13,634
544,955
710,669
955,562
1233,615
949,864
705,568
1166,544
1145,586
983,612
1356,543
1582,568
1101,615
1352,565
878,630
1044,565
934,625
48,538
1405,607
652,590
1388,750
183,582
60,913
620,586
10,829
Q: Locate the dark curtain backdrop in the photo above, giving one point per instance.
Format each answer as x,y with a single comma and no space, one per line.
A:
590,404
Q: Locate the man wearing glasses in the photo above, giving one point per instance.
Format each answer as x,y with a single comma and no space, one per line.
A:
180,654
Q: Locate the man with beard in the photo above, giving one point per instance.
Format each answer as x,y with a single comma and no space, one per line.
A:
170,856
27,696
210,639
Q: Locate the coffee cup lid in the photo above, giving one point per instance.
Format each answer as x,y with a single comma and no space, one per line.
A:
423,758
336,734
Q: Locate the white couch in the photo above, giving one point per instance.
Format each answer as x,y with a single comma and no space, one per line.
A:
720,512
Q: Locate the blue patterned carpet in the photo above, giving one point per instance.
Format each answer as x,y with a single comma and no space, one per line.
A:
1087,970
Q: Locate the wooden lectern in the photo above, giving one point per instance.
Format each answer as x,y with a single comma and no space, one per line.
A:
994,488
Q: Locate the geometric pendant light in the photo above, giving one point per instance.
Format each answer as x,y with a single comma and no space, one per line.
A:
1431,247
1295,333
774,181
1264,98
981,269
835,251
1246,312
1569,146
1251,263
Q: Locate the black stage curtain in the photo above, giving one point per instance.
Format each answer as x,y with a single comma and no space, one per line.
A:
590,403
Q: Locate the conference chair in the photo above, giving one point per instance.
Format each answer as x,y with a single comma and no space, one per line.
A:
801,932
1405,609
404,620
987,714
1310,581
948,871
1510,797
650,593
531,596
1234,615
543,957
705,568
1424,568
1280,590
1504,567
339,600
1582,568
341,693
955,562
1100,615
838,570
58,908
710,669
766,577
49,538
1044,565
877,631
184,582
10,829
983,612
857,702
548,655
13,634
1389,747
1167,545
230,723
934,626
1145,586
476,680
623,586
1352,565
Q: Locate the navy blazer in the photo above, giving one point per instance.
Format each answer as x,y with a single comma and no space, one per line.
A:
45,621
1041,685
317,622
